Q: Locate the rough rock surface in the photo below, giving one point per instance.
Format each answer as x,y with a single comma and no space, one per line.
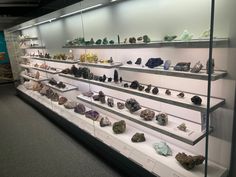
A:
138,137
132,105
119,127
147,114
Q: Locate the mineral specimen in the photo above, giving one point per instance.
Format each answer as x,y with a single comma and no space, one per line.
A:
91,42
182,127
162,119
138,61
180,95
132,105
134,84
119,127
102,97
37,75
129,62
96,78
120,105
169,37
148,88
182,66
146,39
154,62
168,92
197,68
126,85
52,81
140,38
80,108
96,98
99,41
167,64
140,88
88,94
62,100
205,34
110,102
196,100
105,122
116,76
109,79
105,41
138,137
163,149
70,105
61,85
92,115
121,79
43,91
155,90
104,77
186,36
110,60
100,79
49,93
125,40
188,161
132,40
111,42
211,67
147,114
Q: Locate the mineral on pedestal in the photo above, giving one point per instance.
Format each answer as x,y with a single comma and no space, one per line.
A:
85,72
147,114
110,60
146,39
109,79
155,90
96,78
212,66
88,94
91,42
140,88
55,97
116,76
80,108
196,100
162,119
62,100
105,122
154,62
148,88
90,76
140,38
119,127
134,84
126,85
163,149
167,64
120,105
197,68
182,127
110,102
70,105
188,161
180,95
92,115
138,137
37,75
129,62
168,92
132,105
182,66
138,61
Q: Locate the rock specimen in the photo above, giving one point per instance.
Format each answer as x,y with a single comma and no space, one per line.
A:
138,137
197,68
92,115
100,79
169,37
61,85
140,88
180,95
100,97
105,41
196,100
148,89
182,127
140,38
126,85
182,66
49,93
99,41
162,119
37,75
111,42
147,114
188,161
121,79
105,122
62,100
52,81
43,91
134,84
167,64
104,77
146,39
132,40
88,94
186,36
119,127
110,60
168,92
70,105
212,66
96,78
110,102
120,105
154,62
109,79
116,76
80,108
129,62
162,148
155,91
138,61
132,105
96,98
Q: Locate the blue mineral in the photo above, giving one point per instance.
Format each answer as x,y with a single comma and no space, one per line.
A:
154,62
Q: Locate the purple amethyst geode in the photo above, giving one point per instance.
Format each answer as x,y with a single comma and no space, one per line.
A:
92,115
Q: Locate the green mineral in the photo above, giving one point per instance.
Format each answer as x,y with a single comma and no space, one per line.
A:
81,41
105,41
169,37
138,137
99,41
111,42
119,127
146,39
162,148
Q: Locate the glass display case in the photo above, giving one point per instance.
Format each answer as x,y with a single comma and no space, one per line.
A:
139,76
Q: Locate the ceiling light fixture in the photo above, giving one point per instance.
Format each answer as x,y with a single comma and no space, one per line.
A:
88,8
46,21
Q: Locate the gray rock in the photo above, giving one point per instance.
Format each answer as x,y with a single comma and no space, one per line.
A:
132,105
197,68
138,137
80,108
147,114
110,102
162,119
119,127
182,127
70,105
120,105
105,122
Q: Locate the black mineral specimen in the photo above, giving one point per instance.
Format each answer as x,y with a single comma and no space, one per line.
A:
134,84
109,79
155,90
129,62
138,61
196,100
154,62
148,89
140,88
126,85
116,76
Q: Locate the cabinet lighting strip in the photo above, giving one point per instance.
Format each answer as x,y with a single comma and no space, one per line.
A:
46,21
